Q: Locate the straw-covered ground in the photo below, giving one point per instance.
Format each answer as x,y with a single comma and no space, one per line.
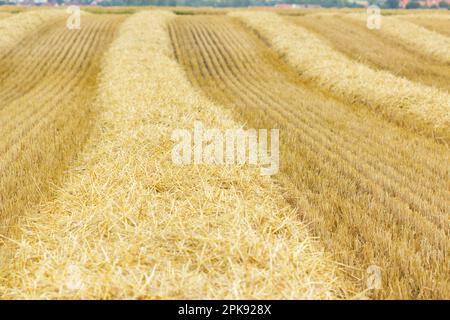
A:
364,179
423,108
128,223
375,49
47,85
93,206
5,15
418,38
16,27
434,22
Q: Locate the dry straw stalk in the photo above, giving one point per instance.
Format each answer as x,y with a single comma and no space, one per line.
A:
419,38
15,28
128,223
420,107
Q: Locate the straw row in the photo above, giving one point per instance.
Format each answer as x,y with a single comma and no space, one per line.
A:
15,28
419,38
435,22
374,49
362,183
46,109
129,223
418,106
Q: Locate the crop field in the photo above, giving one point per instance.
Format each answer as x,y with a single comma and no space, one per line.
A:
92,204
437,23
4,15
47,85
370,47
368,195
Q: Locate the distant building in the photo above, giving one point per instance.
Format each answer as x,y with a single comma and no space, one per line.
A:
423,3
46,2
283,5
364,4
296,6
29,2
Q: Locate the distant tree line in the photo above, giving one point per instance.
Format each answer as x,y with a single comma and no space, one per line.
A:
392,4
227,3
414,4
388,4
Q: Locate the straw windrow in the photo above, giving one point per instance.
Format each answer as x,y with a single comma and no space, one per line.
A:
46,109
4,15
374,49
418,38
417,106
430,16
434,22
362,183
13,29
128,223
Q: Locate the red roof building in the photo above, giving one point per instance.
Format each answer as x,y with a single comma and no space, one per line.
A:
423,3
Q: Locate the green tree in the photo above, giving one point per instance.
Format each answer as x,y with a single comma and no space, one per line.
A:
413,5
443,4
392,4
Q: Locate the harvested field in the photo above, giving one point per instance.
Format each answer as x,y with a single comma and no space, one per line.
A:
429,44
374,49
4,15
422,108
372,198
47,86
434,22
16,27
93,204
129,223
